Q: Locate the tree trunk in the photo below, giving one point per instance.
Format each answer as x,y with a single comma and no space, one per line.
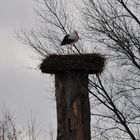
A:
73,108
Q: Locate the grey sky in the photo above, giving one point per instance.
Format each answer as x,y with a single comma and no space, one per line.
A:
22,90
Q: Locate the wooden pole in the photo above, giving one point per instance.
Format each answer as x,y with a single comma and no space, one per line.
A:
72,98
73,108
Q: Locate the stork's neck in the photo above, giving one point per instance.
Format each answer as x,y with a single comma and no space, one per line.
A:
76,34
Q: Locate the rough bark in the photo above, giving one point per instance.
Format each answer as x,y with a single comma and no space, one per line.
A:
73,108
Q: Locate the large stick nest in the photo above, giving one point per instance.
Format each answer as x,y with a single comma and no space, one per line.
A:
89,63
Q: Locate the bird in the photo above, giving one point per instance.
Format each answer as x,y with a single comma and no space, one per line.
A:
70,38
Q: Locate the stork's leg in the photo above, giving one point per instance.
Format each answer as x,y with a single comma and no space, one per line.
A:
70,49
71,46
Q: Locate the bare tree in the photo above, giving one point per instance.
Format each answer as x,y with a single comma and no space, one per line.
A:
113,26
54,24
8,129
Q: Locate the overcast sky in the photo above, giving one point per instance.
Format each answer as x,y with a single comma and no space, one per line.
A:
23,89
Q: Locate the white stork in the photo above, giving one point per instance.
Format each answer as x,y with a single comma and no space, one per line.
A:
70,38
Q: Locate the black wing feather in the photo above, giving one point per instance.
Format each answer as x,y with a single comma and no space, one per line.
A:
66,40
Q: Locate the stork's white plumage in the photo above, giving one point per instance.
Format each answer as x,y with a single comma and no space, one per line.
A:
70,38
